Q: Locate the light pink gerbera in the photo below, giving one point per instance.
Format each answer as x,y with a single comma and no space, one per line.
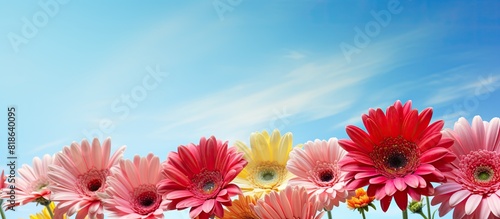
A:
473,187
316,169
199,176
401,154
293,202
32,183
131,191
81,173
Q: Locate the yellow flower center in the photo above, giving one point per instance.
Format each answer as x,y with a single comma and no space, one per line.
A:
267,175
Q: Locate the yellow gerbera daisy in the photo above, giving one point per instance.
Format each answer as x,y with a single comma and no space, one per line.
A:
267,157
45,213
241,208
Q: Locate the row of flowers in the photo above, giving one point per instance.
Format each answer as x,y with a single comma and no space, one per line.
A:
400,155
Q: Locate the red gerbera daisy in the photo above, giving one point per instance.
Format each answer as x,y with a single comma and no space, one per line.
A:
399,155
199,176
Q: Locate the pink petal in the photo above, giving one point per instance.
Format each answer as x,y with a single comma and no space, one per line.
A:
411,180
390,189
378,180
472,203
458,197
208,205
494,203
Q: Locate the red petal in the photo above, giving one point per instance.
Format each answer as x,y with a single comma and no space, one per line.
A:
360,137
433,155
385,202
401,199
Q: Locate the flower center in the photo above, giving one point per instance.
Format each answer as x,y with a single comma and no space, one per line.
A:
396,157
479,172
267,175
483,173
40,184
325,174
396,161
206,184
208,187
145,199
91,182
94,185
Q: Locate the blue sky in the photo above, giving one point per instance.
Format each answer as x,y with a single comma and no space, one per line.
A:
159,74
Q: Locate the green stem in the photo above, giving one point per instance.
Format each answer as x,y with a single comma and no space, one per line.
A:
405,214
329,214
1,209
428,207
363,214
423,215
50,211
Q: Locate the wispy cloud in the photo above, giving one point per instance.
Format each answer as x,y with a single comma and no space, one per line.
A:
295,55
460,89
309,92
53,144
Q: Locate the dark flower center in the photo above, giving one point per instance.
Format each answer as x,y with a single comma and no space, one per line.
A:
145,199
326,176
94,185
397,161
148,198
396,157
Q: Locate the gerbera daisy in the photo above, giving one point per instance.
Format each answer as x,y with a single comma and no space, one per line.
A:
3,185
266,170
241,208
293,202
361,200
81,173
32,183
473,188
199,176
401,154
131,190
45,213
316,168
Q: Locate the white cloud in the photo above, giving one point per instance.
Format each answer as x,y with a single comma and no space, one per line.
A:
295,55
53,144
309,92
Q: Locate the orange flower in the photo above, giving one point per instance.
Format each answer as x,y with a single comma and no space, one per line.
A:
360,200
241,208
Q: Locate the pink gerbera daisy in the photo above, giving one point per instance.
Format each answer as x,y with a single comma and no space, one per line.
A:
401,154
32,183
199,176
131,191
473,189
316,168
293,202
3,185
81,173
